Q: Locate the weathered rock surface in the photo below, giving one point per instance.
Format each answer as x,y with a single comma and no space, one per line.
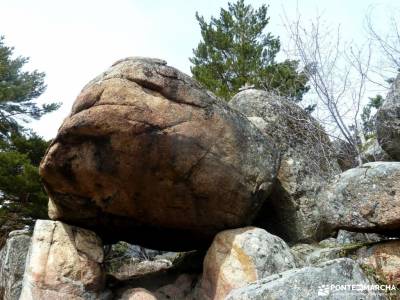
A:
124,261
370,151
133,251
150,157
348,237
359,246
346,154
310,283
64,262
314,254
383,259
240,256
137,294
135,268
364,199
388,121
306,161
373,152
12,264
308,254
182,288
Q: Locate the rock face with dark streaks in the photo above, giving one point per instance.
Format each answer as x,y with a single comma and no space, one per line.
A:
307,160
388,121
150,157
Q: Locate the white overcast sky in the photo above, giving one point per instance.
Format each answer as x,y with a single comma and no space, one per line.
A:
73,41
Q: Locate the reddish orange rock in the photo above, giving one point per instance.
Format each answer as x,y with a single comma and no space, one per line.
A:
150,157
384,259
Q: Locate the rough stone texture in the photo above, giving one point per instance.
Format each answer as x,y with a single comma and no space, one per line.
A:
133,251
348,237
124,261
371,151
313,254
134,268
388,121
309,283
346,244
150,157
328,242
308,255
181,289
64,262
240,256
307,160
137,294
374,152
363,199
346,155
384,259
12,264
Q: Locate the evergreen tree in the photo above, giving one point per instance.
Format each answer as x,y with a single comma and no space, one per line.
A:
18,90
235,51
368,117
22,198
21,188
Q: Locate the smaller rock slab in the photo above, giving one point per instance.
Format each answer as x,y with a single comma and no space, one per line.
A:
240,256
63,262
363,199
310,283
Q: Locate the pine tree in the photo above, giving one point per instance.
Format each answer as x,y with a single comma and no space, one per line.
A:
22,198
18,90
235,51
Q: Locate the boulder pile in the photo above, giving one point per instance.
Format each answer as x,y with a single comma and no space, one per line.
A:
251,191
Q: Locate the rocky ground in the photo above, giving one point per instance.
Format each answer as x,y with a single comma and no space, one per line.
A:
245,200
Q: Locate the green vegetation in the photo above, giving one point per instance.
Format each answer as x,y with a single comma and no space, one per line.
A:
368,117
118,255
22,198
235,51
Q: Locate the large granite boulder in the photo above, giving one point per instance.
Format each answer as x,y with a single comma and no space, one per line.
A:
240,256
363,199
388,121
149,156
12,264
307,160
336,279
63,262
